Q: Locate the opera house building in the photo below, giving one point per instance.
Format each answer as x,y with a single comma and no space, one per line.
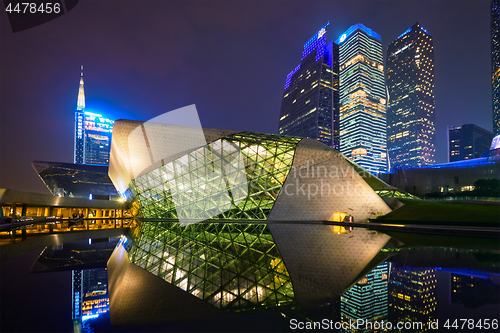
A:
233,222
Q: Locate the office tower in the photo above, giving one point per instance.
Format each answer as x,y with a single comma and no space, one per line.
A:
495,64
412,297
92,141
410,110
467,142
98,132
362,98
367,299
310,101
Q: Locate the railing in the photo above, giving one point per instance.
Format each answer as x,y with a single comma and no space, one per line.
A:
461,198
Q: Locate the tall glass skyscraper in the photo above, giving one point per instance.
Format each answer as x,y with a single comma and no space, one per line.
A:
495,64
310,101
410,86
92,142
362,98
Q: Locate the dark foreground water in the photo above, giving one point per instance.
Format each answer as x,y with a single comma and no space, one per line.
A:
422,289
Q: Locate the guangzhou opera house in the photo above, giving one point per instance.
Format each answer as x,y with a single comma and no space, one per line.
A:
259,243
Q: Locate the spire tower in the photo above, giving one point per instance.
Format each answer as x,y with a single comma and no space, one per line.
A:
81,94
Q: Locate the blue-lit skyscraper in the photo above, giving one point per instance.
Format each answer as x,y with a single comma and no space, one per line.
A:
410,112
362,98
310,101
92,141
367,299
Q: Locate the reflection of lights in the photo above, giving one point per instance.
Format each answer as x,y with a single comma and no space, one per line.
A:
89,317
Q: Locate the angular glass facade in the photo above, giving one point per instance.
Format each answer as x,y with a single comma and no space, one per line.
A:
410,110
235,267
362,98
75,180
191,185
495,64
309,107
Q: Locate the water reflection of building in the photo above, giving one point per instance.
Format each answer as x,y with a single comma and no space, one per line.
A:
90,293
473,292
412,296
367,299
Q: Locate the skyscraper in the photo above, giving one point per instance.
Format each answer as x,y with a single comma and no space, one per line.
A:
310,101
362,98
495,64
410,86
92,141
467,142
79,143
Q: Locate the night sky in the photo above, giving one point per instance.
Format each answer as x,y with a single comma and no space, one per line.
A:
230,58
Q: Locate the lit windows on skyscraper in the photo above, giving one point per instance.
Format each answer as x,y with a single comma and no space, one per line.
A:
467,142
412,297
362,98
495,64
410,110
310,101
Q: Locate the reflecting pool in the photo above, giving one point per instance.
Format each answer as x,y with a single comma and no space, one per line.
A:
68,287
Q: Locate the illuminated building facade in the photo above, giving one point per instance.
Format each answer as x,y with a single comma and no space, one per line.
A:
310,101
362,98
410,111
237,266
412,296
495,64
92,141
367,299
467,142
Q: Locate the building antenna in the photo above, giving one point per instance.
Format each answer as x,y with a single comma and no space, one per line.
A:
81,68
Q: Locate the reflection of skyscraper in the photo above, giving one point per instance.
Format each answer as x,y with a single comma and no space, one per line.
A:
95,300
362,98
410,110
76,279
90,293
412,296
473,292
310,101
367,299
495,64
92,141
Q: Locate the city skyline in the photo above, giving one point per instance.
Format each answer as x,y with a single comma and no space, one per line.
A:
129,77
